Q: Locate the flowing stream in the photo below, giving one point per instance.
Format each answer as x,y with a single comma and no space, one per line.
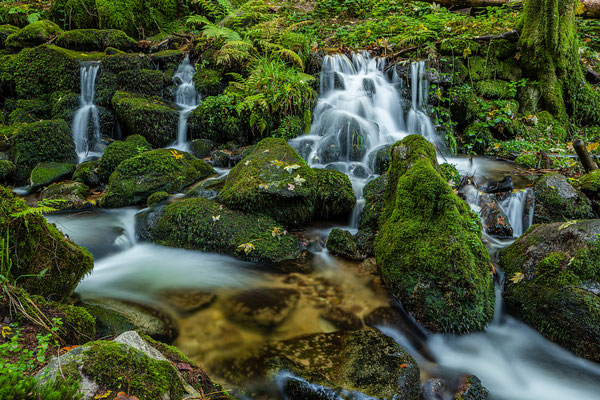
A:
186,98
360,110
86,123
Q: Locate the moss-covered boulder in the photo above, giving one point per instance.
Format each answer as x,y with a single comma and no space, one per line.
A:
6,31
119,151
380,159
341,243
272,180
201,148
167,60
368,225
429,247
590,186
557,200
495,89
32,35
70,195
553,273
335,196
7,169
341,362
45,262
47,173
148,117
157,198
87,173
137,19
136,178
43,141
208,82
95,40
216,119
146,82
30,110
205,225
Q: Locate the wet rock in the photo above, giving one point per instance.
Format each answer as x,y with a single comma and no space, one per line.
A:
119,151
557,200
71,195
335,196
114,317
201,148
209,226
265,307
495,221
156,198
360,361
505,185
469,388
209,189
87,173
369,87
342,319
32,35
272,180
46,173
95,40
429,248
7,169
136,178
341,243
360,172
188,301
40,247
368,226
380,159
553,283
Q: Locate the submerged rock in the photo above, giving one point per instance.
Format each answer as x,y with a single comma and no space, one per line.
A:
265,307
272,180
325,364
47,173
136,178
202,224
341,243
70,195
37,247
553,283
429,248
557,200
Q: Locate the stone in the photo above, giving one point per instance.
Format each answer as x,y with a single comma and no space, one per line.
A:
265,307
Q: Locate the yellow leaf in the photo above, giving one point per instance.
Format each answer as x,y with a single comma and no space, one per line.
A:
6,331
592,146
103,396
566,225
247,247
276,231
176,155
517,277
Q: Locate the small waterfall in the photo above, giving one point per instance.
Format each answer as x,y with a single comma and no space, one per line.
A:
186,99
518,207
360,110
86,123
417,120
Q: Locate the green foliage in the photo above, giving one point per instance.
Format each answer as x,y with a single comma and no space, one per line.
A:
136,18
15,386
32,35
216,119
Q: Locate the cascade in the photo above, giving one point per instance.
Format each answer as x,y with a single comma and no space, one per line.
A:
86,123
186,99
518,207
417,120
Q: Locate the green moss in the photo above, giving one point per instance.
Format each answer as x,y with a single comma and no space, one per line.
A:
95,40
42,141
260,184
201,148
205,225
495,89
216,119
559,262
136,178
528,160
450,174
74,14
429,247
373,194
557,200
30,111
87,173
208,82
148,117
481,68
7,169
117,152
335,196
13,385
167,60
37,246
147,82
79,326
32,35
136,18
156,198
590,182
5,31
48,172
119,367
341,243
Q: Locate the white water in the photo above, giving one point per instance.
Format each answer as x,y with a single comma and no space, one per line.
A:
519,215
186,98
86,123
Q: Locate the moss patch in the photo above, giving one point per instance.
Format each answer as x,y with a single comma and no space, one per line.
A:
117,152
33,34
335,196
95,40
49,172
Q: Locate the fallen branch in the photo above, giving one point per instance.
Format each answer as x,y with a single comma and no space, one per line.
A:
591,8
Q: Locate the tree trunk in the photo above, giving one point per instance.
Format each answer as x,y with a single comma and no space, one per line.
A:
591,8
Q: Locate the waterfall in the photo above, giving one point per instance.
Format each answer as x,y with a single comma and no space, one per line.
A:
186,99
360,110
86,123
518,207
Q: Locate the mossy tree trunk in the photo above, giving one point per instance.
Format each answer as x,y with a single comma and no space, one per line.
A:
549,55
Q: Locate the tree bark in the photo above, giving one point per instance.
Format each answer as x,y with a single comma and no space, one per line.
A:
585,158
591,8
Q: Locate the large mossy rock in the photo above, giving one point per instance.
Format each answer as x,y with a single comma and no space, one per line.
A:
429,247
557,200
361,361
136,178
71,195
553,273
134,364
205,225
148,117
32,35
6,31
119,151
341,243
42,141
136,18
47,173
216,119
45,262
335,196
272,180
7,169
95,40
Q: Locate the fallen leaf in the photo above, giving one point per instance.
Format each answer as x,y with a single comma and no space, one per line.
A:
68,348
566,225
291,186
103,395
517,277
276,231
403,366
183,367
291,168
298,180
215,218
125,396
247,247
176,155
263,186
